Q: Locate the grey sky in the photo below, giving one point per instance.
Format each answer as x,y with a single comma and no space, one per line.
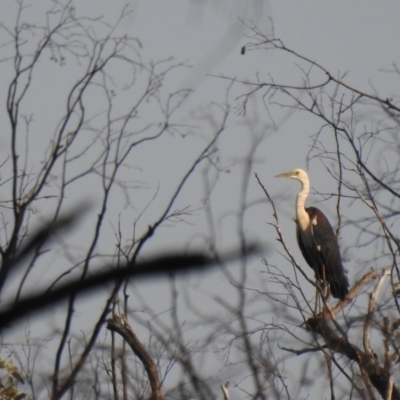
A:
358,38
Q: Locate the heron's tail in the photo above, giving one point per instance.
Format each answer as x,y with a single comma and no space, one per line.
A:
339,286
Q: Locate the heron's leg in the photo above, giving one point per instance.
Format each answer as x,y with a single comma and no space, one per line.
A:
326,290
322,290
317,306
317,297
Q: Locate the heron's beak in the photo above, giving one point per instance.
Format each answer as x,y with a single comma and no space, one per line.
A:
284,175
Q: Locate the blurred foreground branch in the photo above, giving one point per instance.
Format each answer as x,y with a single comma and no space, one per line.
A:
162,265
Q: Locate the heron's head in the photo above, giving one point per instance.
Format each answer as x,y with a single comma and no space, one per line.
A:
297,174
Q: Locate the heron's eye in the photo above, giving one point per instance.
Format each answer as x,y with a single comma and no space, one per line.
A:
297,172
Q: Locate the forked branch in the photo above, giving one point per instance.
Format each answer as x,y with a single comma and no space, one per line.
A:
120,325
379,377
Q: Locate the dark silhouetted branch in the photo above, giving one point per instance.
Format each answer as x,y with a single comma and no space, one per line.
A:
120,325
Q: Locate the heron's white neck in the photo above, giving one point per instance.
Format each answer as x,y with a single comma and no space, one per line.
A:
301,215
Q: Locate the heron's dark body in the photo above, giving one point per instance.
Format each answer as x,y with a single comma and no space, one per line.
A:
320,249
